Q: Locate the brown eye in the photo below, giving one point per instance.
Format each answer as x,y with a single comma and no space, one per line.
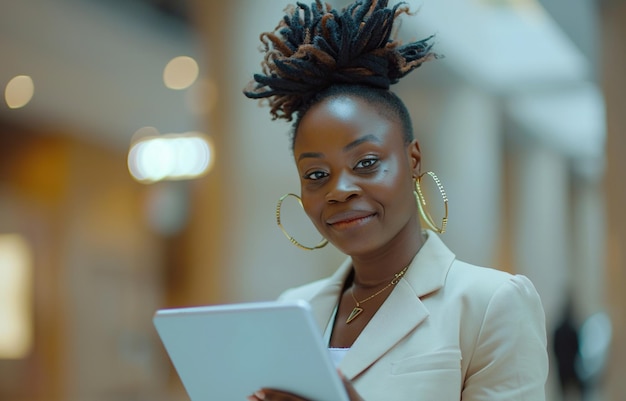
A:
316,175
366,163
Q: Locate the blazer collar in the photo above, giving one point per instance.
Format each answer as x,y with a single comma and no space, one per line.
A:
323,303
402,312
430,266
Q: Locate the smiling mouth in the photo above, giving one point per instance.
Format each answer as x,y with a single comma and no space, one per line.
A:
350,222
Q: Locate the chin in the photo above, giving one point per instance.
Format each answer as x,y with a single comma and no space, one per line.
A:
354,247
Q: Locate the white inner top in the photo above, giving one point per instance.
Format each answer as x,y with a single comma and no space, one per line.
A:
336,354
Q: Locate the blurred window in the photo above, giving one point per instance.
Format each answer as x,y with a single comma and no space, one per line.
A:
16,283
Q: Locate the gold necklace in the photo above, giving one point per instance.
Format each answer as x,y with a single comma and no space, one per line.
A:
357,309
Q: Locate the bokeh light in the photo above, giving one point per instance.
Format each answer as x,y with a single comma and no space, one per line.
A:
16,329
180,72
19,91
170,157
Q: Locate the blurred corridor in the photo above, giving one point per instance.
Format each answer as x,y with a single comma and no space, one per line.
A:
523,121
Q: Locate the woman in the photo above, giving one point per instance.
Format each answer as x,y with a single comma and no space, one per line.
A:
404,319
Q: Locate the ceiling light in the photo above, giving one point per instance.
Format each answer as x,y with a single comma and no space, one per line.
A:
170,157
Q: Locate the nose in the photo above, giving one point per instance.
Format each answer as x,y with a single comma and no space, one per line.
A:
342,188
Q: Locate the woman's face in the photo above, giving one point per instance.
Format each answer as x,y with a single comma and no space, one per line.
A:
356,175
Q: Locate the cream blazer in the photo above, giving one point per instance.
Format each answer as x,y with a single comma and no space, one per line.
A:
448,331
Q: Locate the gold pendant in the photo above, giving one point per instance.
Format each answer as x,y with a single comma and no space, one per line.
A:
353,315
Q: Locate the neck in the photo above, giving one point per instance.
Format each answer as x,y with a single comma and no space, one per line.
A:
378,268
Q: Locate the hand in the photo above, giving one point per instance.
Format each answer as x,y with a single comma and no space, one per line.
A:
268,394
352,394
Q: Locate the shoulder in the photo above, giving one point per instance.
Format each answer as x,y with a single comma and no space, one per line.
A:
504,334
439,274
483,283
490,302
488,297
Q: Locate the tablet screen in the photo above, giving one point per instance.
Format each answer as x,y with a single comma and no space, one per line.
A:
227,352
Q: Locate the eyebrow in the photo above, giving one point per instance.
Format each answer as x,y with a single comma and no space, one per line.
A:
314,155
366,138
351,145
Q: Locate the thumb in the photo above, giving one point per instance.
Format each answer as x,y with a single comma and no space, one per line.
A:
352,394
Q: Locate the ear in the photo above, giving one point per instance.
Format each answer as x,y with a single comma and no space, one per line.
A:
415,157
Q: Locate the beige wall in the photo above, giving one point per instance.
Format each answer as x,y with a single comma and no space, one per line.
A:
614,85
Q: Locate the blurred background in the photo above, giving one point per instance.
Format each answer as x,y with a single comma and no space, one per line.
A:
134,175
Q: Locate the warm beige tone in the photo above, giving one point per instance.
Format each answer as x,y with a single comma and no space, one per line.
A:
97,270
614,85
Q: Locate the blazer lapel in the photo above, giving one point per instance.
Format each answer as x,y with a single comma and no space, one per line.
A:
323,303
401,313
403,310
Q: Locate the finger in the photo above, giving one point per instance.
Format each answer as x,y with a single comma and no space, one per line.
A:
279,395
257,396
352,393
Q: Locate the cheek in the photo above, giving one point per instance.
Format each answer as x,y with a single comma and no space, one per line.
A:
395,190
394,181
312,206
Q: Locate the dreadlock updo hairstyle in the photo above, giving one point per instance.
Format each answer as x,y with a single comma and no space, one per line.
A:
317,52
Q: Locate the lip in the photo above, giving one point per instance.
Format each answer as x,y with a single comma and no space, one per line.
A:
349,218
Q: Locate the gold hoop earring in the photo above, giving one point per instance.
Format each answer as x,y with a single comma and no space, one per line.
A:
421,203
322,243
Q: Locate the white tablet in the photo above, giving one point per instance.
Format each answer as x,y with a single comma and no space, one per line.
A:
227,352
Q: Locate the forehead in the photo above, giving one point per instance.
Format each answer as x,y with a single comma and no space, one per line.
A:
342,119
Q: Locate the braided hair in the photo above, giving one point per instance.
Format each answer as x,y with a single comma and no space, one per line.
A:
316,52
